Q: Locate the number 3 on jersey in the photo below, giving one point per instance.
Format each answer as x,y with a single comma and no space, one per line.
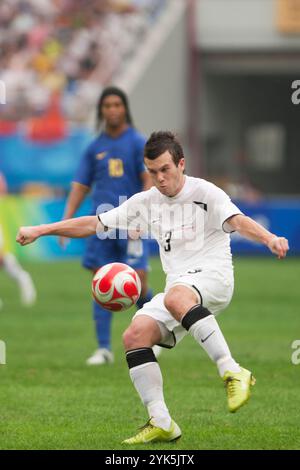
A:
167,245
115,167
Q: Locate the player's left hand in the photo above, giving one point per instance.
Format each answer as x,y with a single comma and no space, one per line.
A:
279,246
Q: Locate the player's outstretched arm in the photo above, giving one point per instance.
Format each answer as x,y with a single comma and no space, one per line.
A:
74,228
250,229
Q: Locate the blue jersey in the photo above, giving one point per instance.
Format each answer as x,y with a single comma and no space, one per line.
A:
112,167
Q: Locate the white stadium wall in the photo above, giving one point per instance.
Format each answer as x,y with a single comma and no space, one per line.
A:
156,81
240,25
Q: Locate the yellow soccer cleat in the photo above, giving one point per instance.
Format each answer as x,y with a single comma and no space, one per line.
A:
151,433
238,388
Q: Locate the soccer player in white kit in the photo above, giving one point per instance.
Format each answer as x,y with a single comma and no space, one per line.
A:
191,220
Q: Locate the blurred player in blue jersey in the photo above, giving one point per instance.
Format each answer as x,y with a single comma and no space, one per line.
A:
112,166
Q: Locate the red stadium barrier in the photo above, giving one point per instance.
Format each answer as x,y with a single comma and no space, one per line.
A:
49,127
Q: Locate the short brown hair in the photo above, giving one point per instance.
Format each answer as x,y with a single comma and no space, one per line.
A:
161,142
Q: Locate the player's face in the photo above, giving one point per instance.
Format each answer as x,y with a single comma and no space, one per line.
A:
113,111
165,175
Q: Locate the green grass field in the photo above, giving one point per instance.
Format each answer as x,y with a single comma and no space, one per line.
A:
51,400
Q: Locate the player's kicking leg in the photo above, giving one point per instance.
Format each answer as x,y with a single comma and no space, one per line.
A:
202,325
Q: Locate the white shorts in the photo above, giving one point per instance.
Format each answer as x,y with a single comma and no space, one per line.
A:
214,290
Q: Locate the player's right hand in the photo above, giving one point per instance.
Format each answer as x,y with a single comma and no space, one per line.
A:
27,235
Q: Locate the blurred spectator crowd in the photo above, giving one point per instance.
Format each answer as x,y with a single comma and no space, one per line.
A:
65,51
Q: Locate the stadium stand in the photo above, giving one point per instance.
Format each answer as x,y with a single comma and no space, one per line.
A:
55,57
65,50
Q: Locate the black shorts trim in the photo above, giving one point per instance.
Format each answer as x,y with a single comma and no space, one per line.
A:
167,346
201,299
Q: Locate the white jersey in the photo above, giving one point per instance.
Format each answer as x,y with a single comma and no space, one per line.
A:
188,227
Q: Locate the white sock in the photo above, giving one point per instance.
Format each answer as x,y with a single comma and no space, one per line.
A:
12,267
148,382
208,334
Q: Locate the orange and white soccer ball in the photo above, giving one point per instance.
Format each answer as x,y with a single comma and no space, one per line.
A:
116,287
